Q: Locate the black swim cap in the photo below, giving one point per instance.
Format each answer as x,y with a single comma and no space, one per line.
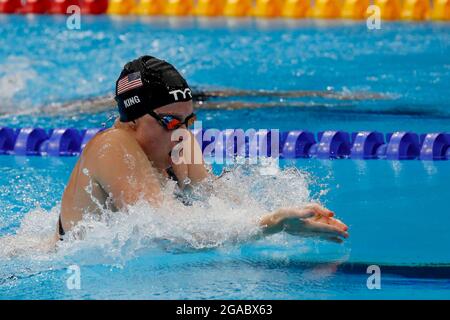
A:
148,83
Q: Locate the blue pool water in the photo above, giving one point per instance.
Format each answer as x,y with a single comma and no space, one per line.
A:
397,211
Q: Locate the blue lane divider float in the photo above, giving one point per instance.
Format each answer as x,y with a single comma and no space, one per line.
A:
292,144
40,142
297,144
29,140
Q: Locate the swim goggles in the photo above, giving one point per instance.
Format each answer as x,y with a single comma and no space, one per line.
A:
170,122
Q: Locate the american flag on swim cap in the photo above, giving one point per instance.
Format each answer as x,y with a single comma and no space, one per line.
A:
129,82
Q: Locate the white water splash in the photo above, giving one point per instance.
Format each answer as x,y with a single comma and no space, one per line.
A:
228,214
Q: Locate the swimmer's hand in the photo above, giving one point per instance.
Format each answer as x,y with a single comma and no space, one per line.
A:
190,166
312,220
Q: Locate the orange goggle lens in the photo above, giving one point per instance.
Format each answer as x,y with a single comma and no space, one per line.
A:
172,123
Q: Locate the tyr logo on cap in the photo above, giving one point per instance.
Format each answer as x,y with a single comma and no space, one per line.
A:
184,93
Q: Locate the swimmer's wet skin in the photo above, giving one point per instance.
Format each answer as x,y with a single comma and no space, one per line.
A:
132,162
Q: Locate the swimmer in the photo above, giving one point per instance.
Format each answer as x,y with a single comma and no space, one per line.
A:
131,161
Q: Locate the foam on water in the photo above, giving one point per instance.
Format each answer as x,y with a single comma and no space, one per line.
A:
15,73
223,213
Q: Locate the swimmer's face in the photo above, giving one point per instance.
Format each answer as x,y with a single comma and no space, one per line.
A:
154,139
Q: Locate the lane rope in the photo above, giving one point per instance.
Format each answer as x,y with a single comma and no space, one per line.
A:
294,144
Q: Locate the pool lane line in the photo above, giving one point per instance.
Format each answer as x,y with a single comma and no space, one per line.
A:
329,94
432,271
202,96
105,105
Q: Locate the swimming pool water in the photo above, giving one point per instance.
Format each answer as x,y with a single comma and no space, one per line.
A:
397,211
44,62
396,222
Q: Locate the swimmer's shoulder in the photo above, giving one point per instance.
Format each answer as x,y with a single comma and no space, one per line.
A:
108,140
107,148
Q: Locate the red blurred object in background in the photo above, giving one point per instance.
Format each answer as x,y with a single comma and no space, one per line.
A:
60,6
94,6
53,6
35,6
9,6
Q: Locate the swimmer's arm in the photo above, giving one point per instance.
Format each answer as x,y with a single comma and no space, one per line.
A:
126,175
311,220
